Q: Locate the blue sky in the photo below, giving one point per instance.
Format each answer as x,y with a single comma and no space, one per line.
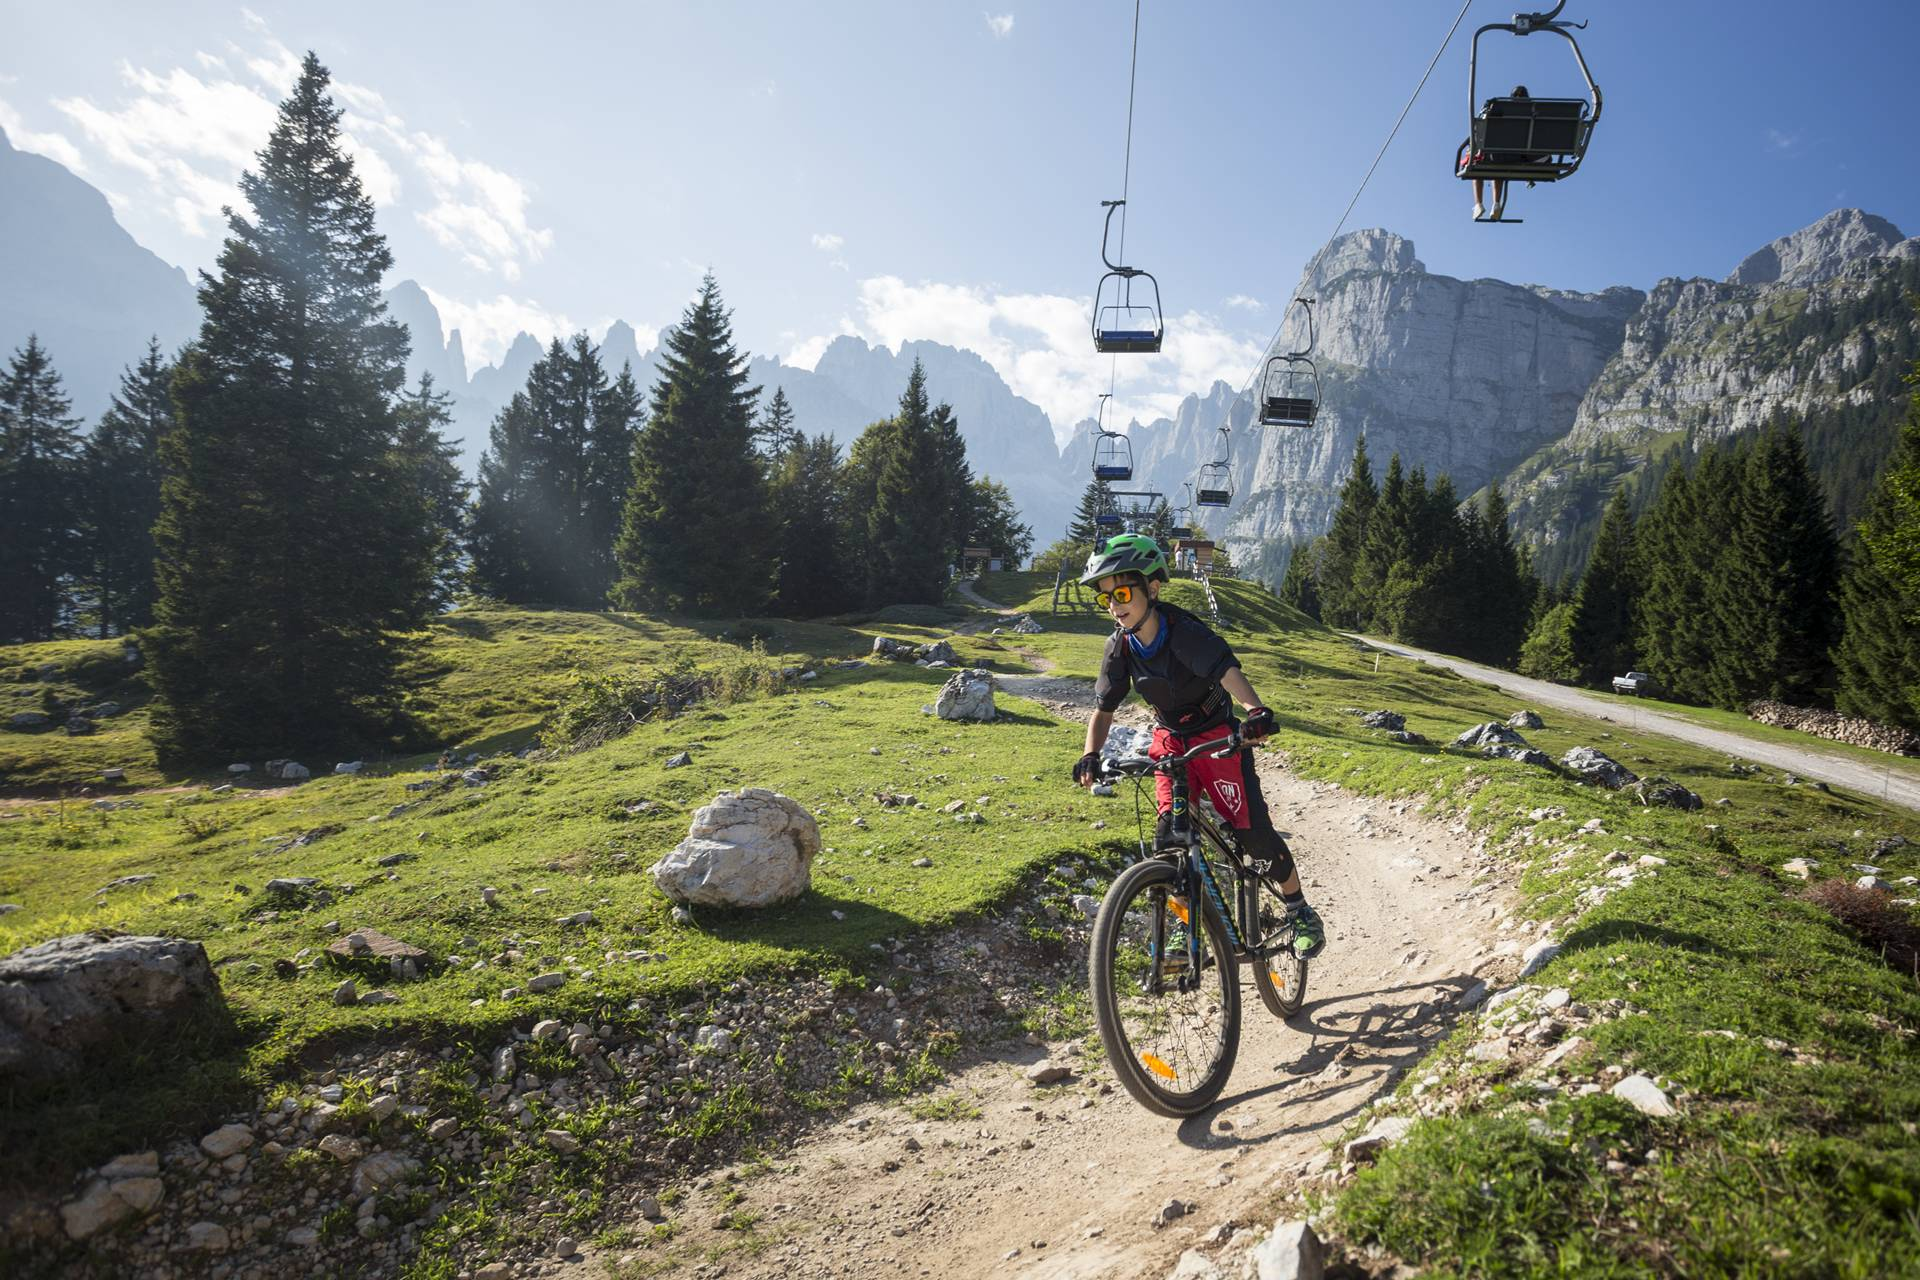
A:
904,170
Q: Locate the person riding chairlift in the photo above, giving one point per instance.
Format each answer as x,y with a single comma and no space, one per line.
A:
1495,157
1190,677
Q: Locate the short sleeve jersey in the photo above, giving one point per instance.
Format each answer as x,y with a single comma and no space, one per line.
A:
1181,681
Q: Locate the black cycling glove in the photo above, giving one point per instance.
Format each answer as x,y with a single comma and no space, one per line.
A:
1259,724
1087,768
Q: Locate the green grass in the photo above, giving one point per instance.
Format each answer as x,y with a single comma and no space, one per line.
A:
1806,1169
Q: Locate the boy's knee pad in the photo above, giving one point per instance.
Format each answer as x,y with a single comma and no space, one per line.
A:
1268,847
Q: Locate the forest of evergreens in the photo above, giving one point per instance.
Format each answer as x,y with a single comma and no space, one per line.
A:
273,510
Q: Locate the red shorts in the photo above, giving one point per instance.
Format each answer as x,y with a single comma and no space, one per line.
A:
1225,780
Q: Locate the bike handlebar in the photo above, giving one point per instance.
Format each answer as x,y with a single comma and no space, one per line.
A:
1138,767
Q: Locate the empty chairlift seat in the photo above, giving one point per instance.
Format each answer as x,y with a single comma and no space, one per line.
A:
1214,485
1290,387
1126,303
1112,456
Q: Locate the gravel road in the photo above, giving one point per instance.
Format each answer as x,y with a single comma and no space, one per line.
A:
1889,785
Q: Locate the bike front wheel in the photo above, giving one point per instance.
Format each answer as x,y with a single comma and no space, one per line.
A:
1281,978
1170,1028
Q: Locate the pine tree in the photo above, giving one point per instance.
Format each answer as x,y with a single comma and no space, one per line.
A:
41,498
1602,632
423,415
1341,605
1084,529
953,492
1502,588
123,495
1369,598
695,534
805,494
1547,653
997,525
1775,592
1878,658
500,537
1300,588
774,431
1670,587
911,514
291,546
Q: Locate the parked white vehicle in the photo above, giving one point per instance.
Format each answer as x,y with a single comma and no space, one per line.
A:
1634,682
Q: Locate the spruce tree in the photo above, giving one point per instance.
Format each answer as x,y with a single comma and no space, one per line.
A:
953,492
1878,657
1671,583
773,430
911,514
505,508
1389,526
1300,587
1775,592
291,546
1084,529
41,498
805,497
1341,605
1602,628
423,415
997,525
695,535
1503,588
123,494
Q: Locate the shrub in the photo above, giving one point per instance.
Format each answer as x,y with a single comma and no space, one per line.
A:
1871,916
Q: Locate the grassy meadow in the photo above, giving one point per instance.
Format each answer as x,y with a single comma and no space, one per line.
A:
1810,1158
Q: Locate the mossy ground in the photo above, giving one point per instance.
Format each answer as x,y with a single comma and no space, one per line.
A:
1772,1168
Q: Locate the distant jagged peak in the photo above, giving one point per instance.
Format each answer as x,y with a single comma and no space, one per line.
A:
1820,251
1373,249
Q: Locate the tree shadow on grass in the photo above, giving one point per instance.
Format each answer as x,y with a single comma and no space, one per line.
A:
1608,933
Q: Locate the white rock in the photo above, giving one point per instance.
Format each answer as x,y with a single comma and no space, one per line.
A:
1047,1071
382,1169
1538,956
227,1140
1803,868
144,1164
348,766
967,695
1643,1095
1291,1252
1195,1265
1873,882
96,1208
547,981
1378,1137
561,1141
548,1029
209,1237
748,848
340,1147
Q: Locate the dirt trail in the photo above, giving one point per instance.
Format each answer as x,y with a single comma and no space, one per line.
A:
1065,1182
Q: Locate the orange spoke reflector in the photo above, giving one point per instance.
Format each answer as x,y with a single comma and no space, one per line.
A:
1158,1067
1179,908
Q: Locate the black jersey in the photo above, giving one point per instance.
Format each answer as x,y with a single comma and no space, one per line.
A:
1180,681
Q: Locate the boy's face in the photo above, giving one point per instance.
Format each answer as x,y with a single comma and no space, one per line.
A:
1132,612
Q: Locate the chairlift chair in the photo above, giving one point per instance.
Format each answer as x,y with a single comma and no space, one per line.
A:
1120,322
1112,450
1290,389
1137,507
1527,139
1213,487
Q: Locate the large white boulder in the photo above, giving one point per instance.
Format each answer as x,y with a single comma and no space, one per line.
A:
967,695
747,848
63,1000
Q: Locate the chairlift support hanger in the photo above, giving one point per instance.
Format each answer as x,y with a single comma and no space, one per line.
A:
1290,389
1534,139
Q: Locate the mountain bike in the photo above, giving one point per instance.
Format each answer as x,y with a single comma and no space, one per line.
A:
1164,961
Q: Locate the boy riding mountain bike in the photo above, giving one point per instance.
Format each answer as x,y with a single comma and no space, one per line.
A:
1190,677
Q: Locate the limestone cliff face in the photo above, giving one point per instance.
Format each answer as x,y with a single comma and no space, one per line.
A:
1805,327
1466,377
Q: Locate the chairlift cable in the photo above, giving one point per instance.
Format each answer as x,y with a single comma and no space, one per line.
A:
1260,368
1126,170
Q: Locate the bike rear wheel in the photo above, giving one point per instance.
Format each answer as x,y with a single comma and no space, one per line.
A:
1172,1048
1281,978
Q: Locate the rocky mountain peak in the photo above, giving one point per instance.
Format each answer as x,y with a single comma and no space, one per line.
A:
1373,249
1820,251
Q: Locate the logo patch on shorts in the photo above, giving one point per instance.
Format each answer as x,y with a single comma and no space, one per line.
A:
1230,797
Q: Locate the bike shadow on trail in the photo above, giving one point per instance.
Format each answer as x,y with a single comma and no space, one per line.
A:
1376,1036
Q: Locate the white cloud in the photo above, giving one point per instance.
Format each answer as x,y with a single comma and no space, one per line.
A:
1001,25
827,241
1041,345
54,146
489,325
1245,302
1785,141
191,135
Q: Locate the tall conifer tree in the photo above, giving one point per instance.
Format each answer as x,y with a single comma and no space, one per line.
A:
1602,633
1878,657
41,498
1340,603
911,514
805,499
123,494
1094,499
291,545
695,534
423,415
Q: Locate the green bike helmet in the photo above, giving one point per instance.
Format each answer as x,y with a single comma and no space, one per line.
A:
1125,553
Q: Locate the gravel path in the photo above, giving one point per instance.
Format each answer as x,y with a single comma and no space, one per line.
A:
1066,1183
1887,784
